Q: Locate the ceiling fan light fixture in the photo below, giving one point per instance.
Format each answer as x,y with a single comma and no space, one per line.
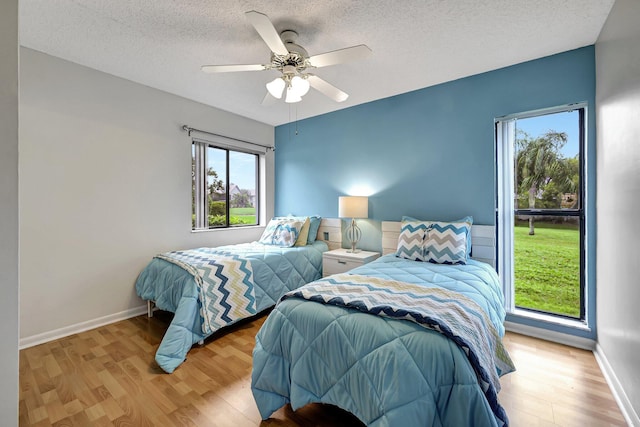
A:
292,96
293,62
276,87
300,85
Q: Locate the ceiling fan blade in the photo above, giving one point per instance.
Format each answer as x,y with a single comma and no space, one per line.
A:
326,89
231,68
340,56
267,31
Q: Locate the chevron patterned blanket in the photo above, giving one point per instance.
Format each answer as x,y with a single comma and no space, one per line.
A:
449,313
225,285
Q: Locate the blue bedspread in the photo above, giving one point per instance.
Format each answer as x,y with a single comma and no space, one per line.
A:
385,371
276,271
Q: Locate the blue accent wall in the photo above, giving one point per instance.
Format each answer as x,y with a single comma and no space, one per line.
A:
429,153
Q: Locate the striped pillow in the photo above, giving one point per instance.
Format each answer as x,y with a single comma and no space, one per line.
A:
282,232
446,242
410,241
467,218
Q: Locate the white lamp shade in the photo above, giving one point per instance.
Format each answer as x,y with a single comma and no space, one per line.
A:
292,96
300,85
353,207
275,87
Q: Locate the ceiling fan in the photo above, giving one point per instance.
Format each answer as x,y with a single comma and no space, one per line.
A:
293,61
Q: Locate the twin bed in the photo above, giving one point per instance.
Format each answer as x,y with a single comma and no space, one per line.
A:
211,288
398,341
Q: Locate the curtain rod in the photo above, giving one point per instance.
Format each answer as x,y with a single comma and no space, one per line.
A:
189,129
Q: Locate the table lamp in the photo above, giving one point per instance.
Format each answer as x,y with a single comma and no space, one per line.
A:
353,207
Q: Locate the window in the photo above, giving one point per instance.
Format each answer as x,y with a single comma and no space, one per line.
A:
224,186
541,211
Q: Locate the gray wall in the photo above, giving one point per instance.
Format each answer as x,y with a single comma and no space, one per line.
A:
105,185
618,145
9,260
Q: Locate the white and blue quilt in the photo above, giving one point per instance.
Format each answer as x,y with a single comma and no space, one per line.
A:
431,353
225,285
210,288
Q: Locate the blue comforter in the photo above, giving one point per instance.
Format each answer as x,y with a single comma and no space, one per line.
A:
276,271
387,372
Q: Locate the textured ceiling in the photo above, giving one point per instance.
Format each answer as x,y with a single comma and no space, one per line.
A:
415,43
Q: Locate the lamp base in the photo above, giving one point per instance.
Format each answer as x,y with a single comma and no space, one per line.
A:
353,236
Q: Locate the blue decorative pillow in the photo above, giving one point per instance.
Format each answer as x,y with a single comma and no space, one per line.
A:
313,229
411,240
282,232
446,242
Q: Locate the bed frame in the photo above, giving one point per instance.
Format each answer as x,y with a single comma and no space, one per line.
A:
483,241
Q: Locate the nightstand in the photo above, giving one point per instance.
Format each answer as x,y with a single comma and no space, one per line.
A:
340,261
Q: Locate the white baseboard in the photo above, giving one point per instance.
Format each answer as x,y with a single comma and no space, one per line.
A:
618,392
33,340
553,336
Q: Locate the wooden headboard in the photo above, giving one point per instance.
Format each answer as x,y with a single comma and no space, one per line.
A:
483,241
330,232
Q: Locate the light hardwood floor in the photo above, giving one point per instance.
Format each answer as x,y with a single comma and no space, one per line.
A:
108,377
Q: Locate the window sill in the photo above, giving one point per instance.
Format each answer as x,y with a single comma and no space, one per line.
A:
575,333
550,319
245,227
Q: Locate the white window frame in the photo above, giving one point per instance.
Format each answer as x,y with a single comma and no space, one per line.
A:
505,142
200,141
505,133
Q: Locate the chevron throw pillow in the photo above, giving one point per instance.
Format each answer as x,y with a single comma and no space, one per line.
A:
467,218
446,242
410,241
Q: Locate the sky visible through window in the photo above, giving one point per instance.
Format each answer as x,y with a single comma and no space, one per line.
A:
243,170
560,122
